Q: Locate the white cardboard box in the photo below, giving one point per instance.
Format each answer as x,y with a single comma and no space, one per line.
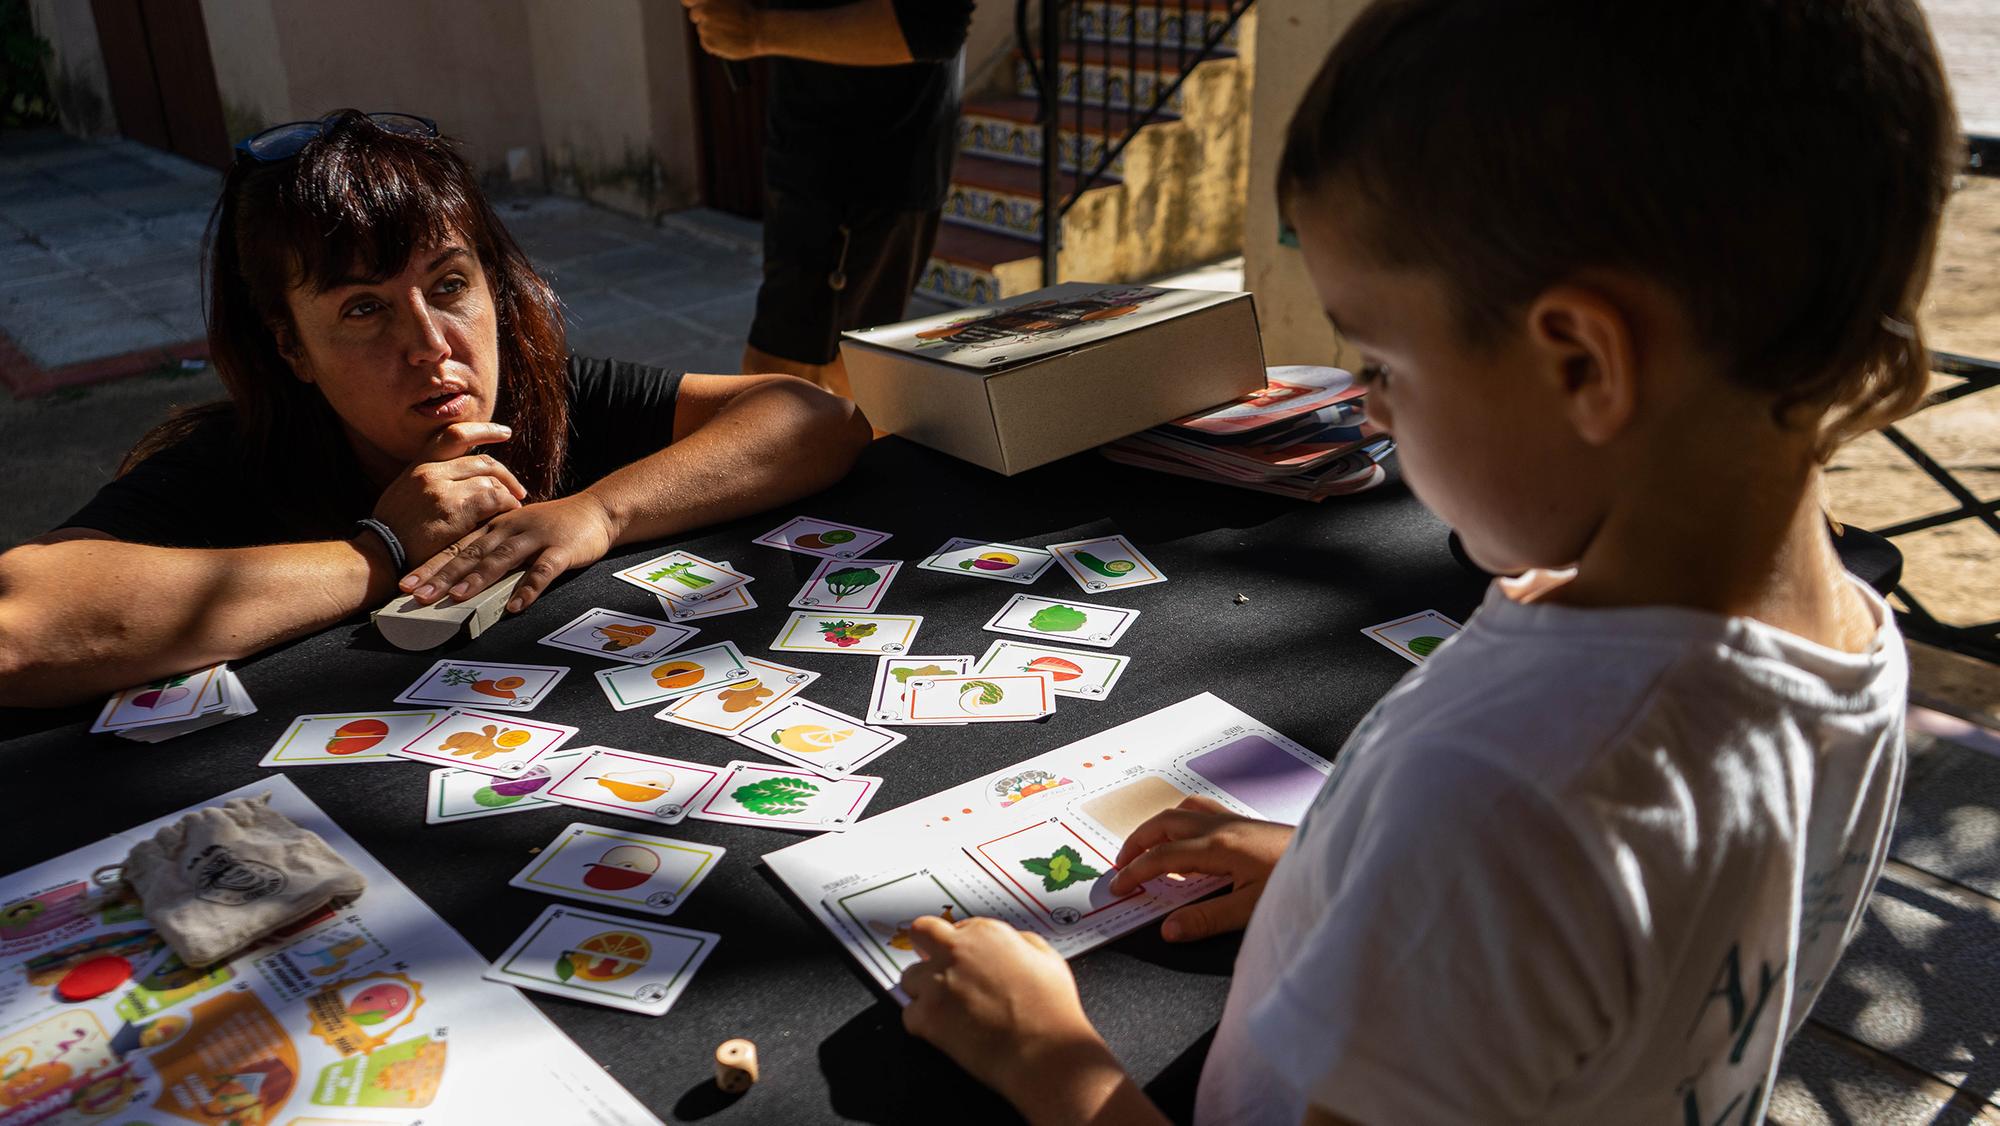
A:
1048,374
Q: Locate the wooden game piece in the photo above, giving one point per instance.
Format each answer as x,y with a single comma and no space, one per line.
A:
735,1065
408,625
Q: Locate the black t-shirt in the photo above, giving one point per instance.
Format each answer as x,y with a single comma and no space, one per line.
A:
877,135
198,492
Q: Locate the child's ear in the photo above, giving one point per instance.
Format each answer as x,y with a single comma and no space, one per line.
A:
1586,343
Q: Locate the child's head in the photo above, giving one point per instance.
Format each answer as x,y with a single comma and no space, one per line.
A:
1562,226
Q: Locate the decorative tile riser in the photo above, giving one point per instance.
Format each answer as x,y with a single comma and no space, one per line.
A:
1095,79
1157,27
994,211
958,285
1020,141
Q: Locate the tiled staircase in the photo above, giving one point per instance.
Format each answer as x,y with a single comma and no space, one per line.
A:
1172,198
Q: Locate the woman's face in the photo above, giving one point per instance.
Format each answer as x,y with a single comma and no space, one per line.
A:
401,358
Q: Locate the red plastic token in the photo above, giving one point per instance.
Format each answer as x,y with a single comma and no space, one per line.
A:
94,978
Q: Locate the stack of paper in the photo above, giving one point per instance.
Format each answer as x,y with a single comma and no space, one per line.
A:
1305,435
153,713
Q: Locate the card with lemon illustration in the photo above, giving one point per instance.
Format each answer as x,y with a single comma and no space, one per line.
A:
517,688
833,631
728,710
612,868
1416,637
641,967
502,745
1106,563
619,637
824,538
683,577
982,698
673,676
1050,619
1073,673
817,737
1009,563
313,740
648,787
776,797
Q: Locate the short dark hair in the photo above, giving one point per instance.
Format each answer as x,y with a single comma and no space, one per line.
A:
1780,166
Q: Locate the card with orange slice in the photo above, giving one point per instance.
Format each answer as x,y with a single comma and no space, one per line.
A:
642,967
673,676
817,737
313,740
1009,563
501,745
648,787
1075,673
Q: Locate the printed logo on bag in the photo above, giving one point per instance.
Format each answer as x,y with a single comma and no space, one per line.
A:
220,876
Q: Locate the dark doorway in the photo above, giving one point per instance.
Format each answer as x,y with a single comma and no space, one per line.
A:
731,124
162,79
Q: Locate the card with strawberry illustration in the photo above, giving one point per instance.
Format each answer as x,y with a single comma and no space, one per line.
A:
1073,672
754,793
482,685
835,632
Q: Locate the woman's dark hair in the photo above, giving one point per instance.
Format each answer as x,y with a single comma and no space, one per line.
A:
358,201
1780,166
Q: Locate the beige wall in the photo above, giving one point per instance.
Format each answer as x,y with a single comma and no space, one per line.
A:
989,48
1293,38
77,78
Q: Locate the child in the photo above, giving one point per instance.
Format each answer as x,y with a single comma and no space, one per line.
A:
1624,275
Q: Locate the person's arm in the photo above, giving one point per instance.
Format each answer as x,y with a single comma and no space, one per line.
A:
862,33
741,444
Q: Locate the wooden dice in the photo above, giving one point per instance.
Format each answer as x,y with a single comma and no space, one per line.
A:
735,1065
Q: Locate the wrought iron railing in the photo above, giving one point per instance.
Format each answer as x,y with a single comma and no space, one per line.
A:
1194,32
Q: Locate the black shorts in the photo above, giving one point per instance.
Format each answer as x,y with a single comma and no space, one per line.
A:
879,253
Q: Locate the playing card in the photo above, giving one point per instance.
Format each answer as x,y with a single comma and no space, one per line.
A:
1415,637
223,700
350,737
817,737
648,787
1292,391
163,701
457,794
619,869
823,538
726,711
683,577
621,637
728,602
1074,673
889,702
516,688
488,744
980,559
755,793
857,586
881,910
833,632
627,964
982,699
1106,563
679,674
1047,619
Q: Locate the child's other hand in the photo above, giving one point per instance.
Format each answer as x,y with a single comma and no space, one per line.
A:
1201,837
1003,1004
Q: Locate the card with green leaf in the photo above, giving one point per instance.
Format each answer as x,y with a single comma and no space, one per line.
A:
752,793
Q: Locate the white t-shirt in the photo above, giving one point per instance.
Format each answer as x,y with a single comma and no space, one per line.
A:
1583,866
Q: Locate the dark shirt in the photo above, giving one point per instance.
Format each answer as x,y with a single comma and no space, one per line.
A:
873,135
199,493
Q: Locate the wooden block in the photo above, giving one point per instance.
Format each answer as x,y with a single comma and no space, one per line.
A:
408,625
735,1065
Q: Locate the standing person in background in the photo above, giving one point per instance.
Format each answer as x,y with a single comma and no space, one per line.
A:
859,131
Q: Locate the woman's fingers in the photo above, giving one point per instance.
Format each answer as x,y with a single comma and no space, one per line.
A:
484,465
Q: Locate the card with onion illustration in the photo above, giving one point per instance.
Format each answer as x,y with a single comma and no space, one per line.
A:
503,745
1050,619
777,797
1006,562
161,701
484,685
818,738
458,794
649,787
1106,563
728,710
673,676
857,585
827,539
683,577
642,967
1074,673
814,631
618,636
999,698
335,737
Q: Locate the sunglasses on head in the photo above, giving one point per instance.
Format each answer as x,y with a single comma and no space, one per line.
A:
281,142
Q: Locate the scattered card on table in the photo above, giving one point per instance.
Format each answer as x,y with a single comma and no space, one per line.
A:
673,676
817,737
833,632
993,698
726,711
349,737
889,701
619,869
514,687
1290,391
856,586
755,793
648,787
1415,637
458,794
1109,563
824,538
1003,561
163,701
488,744
641,967
728,602
1074,673
1048,619
683,577
621,637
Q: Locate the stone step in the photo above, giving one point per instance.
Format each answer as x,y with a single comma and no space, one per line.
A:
1111,80
1007,129
1160,23
968,264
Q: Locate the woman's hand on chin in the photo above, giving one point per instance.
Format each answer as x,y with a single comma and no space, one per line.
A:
545,539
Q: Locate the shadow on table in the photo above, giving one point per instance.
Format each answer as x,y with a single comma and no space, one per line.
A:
876,1072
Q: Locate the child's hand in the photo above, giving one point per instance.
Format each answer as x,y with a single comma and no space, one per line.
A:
1201,837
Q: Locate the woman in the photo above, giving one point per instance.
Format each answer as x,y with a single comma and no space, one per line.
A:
402,415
